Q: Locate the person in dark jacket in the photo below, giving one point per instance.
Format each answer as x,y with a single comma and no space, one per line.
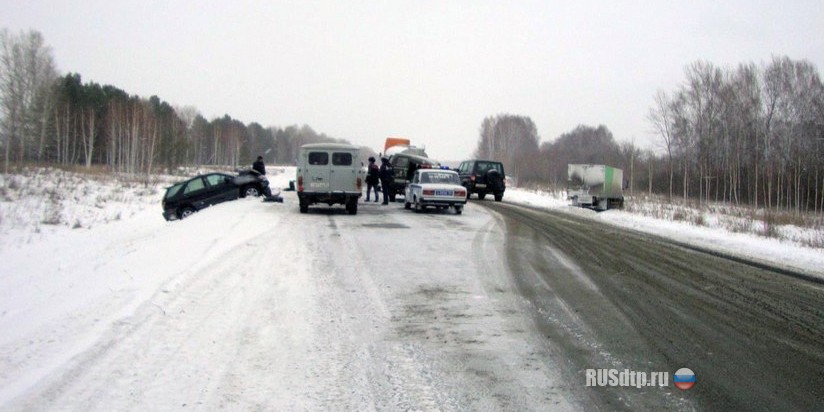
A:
386,174
372,172
259,167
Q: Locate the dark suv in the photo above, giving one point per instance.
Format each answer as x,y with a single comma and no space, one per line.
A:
184,198
405,165
482,177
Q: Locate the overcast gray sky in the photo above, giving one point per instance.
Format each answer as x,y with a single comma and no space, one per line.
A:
426,70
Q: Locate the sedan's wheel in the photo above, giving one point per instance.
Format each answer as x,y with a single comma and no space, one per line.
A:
185,212
458,210
418,206
251,191
407,205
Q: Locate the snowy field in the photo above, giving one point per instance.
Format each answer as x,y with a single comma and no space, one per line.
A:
90,264
46,203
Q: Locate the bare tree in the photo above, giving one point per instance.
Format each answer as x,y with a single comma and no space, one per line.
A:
26,73
660,116
512,140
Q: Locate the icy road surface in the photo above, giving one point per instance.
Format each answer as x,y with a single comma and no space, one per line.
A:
251,305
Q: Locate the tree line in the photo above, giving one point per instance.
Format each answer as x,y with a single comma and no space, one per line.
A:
751,135
48,117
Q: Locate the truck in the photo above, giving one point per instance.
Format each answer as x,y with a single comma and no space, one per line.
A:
395,145
329,173
405,159
598,187
395,141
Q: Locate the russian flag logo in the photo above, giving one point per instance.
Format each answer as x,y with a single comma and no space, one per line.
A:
684,379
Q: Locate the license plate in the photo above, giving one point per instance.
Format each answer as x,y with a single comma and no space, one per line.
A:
443,193
480,185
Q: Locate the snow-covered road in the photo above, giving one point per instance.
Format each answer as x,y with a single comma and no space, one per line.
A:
251,305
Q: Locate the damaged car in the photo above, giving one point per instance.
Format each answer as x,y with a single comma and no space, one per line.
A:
185,198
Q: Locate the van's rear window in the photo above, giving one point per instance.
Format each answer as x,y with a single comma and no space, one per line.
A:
341,159
318,158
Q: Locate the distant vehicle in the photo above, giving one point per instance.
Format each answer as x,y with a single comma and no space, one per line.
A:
405,165
329,173
187,197
395,141
598,187
483,177
438,188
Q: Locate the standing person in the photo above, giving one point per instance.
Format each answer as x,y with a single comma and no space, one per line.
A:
372,173
386,174
259,167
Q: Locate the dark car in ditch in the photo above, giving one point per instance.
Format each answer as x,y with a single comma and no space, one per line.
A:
187,197
483,177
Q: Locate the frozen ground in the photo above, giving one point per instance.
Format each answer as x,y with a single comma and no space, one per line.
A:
105,306
790,252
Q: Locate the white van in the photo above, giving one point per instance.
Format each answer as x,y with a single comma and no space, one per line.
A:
329,173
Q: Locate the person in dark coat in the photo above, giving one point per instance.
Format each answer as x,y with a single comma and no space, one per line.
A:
386,174
372,172
259,167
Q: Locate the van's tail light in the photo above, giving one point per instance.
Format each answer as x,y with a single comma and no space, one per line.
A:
359,183
300,183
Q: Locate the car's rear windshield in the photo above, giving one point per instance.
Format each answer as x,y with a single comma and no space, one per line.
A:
483,167
440,177
318,158
172,191
341,159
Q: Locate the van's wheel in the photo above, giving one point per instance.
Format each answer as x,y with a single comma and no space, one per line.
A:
481,195
352,206
185,212
304,205
499,197
391,197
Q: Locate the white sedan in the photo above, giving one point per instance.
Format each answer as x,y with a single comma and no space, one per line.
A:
435,187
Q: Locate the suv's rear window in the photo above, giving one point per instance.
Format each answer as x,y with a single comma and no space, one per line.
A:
341,159
483,167
318,158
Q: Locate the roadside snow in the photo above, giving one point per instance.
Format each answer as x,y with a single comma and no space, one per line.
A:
783,253
89,263
251,305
